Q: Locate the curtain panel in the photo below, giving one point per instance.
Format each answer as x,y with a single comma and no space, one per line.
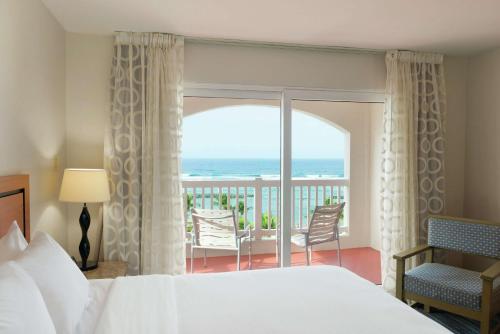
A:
413,184
143,221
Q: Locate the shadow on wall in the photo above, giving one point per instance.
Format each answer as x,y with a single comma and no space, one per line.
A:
44,154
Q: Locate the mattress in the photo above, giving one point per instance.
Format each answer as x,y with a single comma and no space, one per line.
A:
320,299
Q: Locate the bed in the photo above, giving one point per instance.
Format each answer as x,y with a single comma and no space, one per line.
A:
323,299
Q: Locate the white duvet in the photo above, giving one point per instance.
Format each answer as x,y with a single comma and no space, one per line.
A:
302,300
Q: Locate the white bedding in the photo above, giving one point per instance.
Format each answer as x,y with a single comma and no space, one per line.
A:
301,300
99,290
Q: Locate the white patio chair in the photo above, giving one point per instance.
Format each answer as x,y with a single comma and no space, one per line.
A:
218,229
323,227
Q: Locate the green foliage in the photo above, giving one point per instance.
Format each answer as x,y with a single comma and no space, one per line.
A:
265,221
241,208
223,199
189,202
223,203
241,224
219,202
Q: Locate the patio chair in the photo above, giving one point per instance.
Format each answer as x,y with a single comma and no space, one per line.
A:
471,294
217,229
323,227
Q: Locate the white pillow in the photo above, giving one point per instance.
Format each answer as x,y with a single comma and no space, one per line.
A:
63,286
22,309
12,243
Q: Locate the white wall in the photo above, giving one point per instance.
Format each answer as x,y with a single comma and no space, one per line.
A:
282,66
456,90
482,164
32,113
482,167
88,64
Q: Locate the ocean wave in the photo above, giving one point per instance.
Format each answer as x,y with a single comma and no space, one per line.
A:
223,169
251,178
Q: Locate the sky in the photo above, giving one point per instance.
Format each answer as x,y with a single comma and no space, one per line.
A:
253,131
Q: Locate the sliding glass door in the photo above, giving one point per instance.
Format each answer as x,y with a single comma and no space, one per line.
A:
316,167
231,163
285,146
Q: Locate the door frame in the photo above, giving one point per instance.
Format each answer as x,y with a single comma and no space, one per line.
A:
286,95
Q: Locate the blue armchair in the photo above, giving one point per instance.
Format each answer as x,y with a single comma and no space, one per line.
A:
468,293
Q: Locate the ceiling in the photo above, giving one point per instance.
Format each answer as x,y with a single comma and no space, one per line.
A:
449,26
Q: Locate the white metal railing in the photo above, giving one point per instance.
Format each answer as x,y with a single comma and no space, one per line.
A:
257,201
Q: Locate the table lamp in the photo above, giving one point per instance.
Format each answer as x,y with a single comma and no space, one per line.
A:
84,186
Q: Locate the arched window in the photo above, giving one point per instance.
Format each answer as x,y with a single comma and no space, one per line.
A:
231,155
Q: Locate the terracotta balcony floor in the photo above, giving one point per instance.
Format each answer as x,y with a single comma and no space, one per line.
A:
363,261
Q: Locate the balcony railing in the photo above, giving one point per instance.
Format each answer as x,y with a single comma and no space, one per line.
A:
256,201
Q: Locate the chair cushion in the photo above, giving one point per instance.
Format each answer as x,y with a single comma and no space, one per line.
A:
448,284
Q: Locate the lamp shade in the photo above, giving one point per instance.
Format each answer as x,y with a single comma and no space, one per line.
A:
84,186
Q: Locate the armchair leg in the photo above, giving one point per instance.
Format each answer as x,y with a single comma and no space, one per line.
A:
205,258
427,308
486,306
278,253
485,326
278,244
400,271
338,252
307,255
250,254
238,257
192,258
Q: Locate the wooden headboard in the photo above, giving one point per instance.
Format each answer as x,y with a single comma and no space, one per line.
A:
15,203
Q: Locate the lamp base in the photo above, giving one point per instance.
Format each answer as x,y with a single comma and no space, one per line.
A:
91,265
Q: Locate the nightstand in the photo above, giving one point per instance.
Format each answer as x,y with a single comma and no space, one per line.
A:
107,269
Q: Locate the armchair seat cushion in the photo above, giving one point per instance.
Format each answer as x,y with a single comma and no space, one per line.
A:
448,284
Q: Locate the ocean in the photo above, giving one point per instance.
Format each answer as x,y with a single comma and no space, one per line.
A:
265,168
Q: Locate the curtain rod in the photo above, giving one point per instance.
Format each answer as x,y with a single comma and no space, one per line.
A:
295,46
305,47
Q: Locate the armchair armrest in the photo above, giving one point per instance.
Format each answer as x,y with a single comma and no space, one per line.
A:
492,272
400,265
411,252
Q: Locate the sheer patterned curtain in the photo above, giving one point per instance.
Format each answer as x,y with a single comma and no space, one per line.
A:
413,153
143,221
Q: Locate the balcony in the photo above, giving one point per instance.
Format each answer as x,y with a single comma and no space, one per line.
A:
256,202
